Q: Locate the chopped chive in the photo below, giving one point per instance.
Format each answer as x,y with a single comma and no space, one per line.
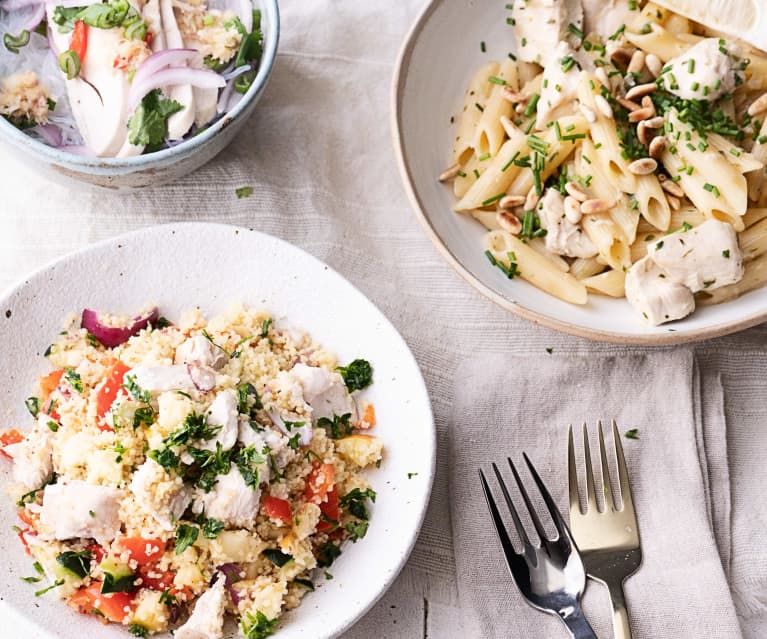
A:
493,199
531,106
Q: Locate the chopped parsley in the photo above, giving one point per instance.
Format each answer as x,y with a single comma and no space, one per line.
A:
338,427
354,501
632,433
357,375
243,192
137,630
277,557
55,584
248,401
33,405
74,380
186,535
265,327
327,554
135,391
212,528
248,460
726,253
357,530
258,626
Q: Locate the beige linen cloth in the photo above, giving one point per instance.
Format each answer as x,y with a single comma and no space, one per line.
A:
317,153
678,468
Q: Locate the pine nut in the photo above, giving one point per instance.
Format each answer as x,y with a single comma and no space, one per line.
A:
576,190
604,106
647,103
645,166
637,62
758,105
654,64
655,123
657,146
449,173
573,210
621,55
531,200
642,132
628,104
508,222
588,113
508,202
598,205
513,96
602,76
674,202
641,114
640,90
672,187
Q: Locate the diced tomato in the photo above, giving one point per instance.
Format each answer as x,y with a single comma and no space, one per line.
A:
276,508
49,408
331,511
320,482
49,383
29,518
155,579
368,418
112,606
9,437
149,37
79,41
107,393
97,551
22,535
144,551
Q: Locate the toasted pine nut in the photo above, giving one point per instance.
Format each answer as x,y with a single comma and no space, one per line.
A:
573,210
758,105
647,103
621,55
674,202
645,166
588,113
508,222
604,106
637,62
602,76
654,64
513,96
657,146
628,104
655,123
641,114
508,202
449,173
640,90
642,132
576,190
508,126
531,200
672,187
598,205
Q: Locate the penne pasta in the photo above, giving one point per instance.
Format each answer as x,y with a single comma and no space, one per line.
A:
474,102
489,133
611,283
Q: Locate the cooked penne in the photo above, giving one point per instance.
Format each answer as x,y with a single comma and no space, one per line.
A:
611,283
473,104
489,133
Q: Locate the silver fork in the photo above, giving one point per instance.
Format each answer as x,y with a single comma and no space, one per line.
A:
550,576
608,539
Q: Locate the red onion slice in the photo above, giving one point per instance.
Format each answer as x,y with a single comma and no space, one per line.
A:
160,60
223,100
203,377
111,336
172,76
232,574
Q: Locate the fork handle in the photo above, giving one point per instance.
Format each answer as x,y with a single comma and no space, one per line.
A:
621,628
578,625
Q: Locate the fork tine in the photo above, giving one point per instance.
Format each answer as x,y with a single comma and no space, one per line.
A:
623,475
559,521
572,473
607,485
591,499
508,548
514,515
530,508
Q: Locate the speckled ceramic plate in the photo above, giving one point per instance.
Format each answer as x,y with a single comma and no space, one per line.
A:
438,58
212,266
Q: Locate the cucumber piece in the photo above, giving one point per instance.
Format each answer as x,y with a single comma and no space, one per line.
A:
118,576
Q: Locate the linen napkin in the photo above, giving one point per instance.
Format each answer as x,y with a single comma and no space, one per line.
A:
508,404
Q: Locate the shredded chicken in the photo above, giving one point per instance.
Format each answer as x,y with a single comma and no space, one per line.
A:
23,100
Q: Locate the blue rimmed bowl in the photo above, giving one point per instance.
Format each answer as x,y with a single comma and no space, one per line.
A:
159,167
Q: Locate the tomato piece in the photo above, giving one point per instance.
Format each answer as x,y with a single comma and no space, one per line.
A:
49,383
9,437
112,606
155,579
331,511
276,508
320,482
97,551
144,551
79,40
107,393
368,418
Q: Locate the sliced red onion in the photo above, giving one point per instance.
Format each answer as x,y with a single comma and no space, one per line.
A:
203,378
230,75
232,574
111,336
304,431
160,60
223,99
50,133
202,78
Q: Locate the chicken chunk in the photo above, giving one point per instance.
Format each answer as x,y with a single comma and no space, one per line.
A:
324,391
207,618
222,412
562,236
703,72
198,350
159,495
651,292
78,509
605,17
539,23
269,440
23,100
158,379
33,456
231,500
560,82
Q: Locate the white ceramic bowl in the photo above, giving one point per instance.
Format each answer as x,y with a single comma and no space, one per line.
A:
182,265
437,60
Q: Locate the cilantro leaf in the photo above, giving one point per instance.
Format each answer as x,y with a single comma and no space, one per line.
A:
147,126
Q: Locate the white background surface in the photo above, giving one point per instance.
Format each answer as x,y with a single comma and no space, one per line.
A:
319,157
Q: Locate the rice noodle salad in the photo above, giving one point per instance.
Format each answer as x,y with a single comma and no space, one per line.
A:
175,473
122,78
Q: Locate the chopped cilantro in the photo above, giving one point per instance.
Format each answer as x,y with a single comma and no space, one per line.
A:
148,124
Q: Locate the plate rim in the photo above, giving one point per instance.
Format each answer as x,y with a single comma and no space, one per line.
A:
390,577
399,77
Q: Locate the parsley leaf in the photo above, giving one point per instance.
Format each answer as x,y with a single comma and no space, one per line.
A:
185,536
355,502
135,391
632,433
327,554
244,191
74,380
258,626
339,427
277,557
357,375
33,405
357,530
78,563
147,126
212,528
248,460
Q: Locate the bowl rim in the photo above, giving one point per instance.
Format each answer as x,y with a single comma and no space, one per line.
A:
399,77
17,137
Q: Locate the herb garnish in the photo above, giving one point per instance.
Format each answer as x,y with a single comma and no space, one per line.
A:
357,375
339,426
277,557
148,124
258,626
186,535
632,433
78,563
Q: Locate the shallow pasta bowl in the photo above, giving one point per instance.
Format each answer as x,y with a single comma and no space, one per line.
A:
161,265
440,54
161,166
